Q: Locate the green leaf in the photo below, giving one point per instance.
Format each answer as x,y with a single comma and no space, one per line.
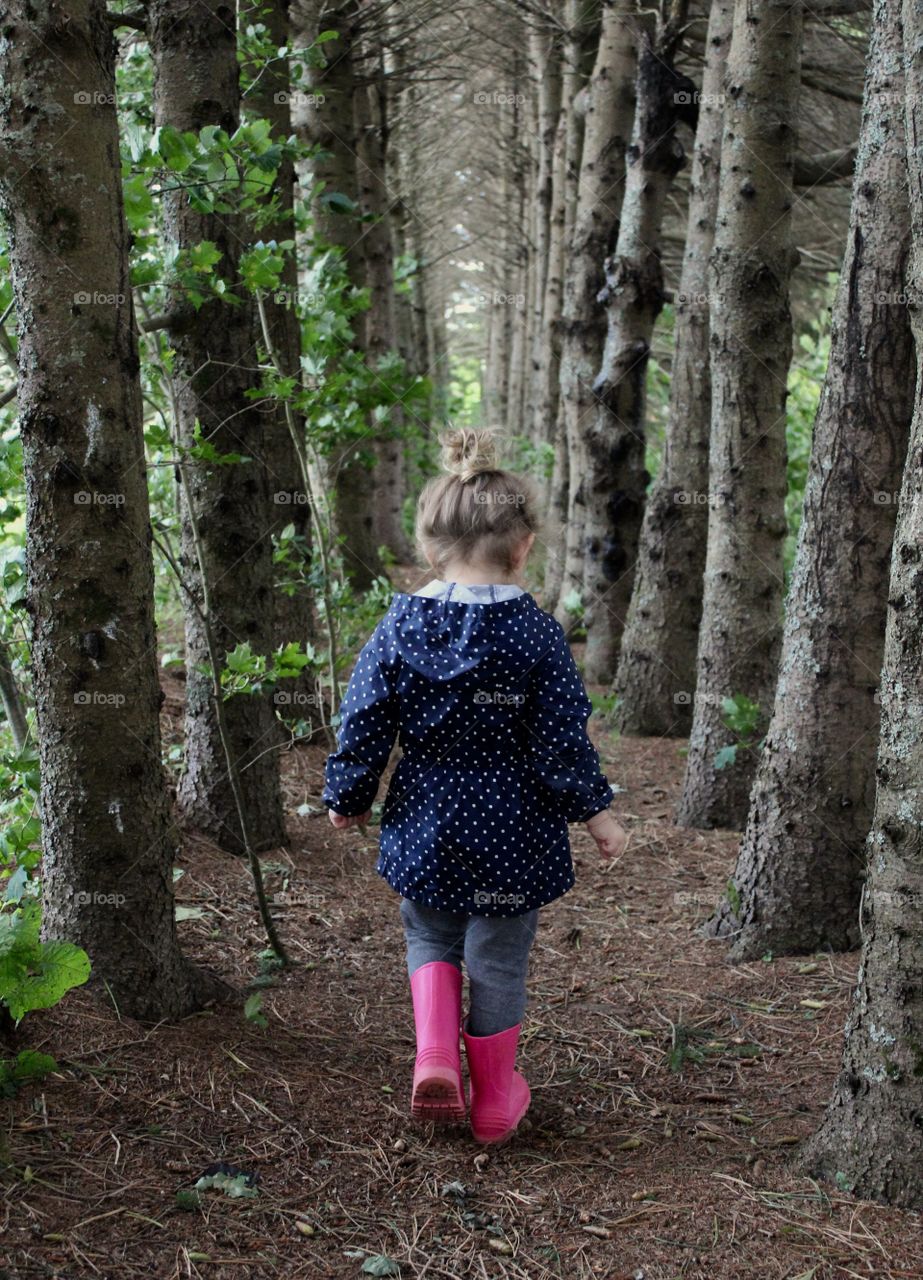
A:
253,1009
726,756
380,1266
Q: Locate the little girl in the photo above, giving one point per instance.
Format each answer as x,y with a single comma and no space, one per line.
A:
482,688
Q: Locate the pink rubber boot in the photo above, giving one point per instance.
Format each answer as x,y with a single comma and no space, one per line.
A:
437,1089
500,1096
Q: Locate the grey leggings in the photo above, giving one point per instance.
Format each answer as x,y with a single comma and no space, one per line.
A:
495,950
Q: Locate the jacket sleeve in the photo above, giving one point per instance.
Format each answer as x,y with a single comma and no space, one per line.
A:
562,754
367,732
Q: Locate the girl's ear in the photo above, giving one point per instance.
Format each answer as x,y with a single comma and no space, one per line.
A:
522,551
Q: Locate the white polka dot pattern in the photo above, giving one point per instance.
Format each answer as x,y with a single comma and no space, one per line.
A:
491,714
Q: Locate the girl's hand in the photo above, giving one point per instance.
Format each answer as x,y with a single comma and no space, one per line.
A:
611,838
341,822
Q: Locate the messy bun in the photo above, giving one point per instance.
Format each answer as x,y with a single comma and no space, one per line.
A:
467,451
478,512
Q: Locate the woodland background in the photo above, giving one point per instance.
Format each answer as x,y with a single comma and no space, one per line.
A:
253,261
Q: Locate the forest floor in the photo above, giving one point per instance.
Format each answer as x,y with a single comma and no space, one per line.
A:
670,1089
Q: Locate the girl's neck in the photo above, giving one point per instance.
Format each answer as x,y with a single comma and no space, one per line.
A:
472,575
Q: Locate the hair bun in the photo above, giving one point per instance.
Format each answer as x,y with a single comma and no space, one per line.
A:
467,451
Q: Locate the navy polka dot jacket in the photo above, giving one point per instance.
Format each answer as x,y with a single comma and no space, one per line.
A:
491,713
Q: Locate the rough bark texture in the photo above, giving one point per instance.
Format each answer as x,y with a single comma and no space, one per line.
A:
195,84
108,842
270,98
799,870
608,115
376,198
329,125
750,354
544,56
870,1136
615,479
655,680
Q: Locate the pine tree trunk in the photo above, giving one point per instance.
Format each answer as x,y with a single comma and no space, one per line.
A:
108,840
377,250
269,99
870,1136
328,125
615,480
567,158
546,71
799,870
751,339
606,132
655,680
194,54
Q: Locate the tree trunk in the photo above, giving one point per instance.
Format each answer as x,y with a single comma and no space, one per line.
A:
655,681
377,250
799,870
870,1136
546,72
751,340
194,54
323,116
108,841
607,127
10,695
615,480
270,99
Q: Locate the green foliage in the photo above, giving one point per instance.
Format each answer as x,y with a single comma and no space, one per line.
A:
742,717
35,974
805,382
253,1010
28,1066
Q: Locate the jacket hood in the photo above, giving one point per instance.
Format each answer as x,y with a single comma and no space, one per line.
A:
443,639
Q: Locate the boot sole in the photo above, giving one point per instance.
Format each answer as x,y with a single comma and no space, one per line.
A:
438,1098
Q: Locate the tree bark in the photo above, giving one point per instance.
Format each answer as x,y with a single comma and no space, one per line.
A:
270,100
610,100
655,681
377,250
194,54
870,1136
328,124
108,841
546,72
615,479
800,866
751,340
11,696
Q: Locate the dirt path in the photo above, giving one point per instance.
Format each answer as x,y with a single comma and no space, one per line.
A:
669,1090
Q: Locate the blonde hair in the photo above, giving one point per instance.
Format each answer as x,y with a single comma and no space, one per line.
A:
478,511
